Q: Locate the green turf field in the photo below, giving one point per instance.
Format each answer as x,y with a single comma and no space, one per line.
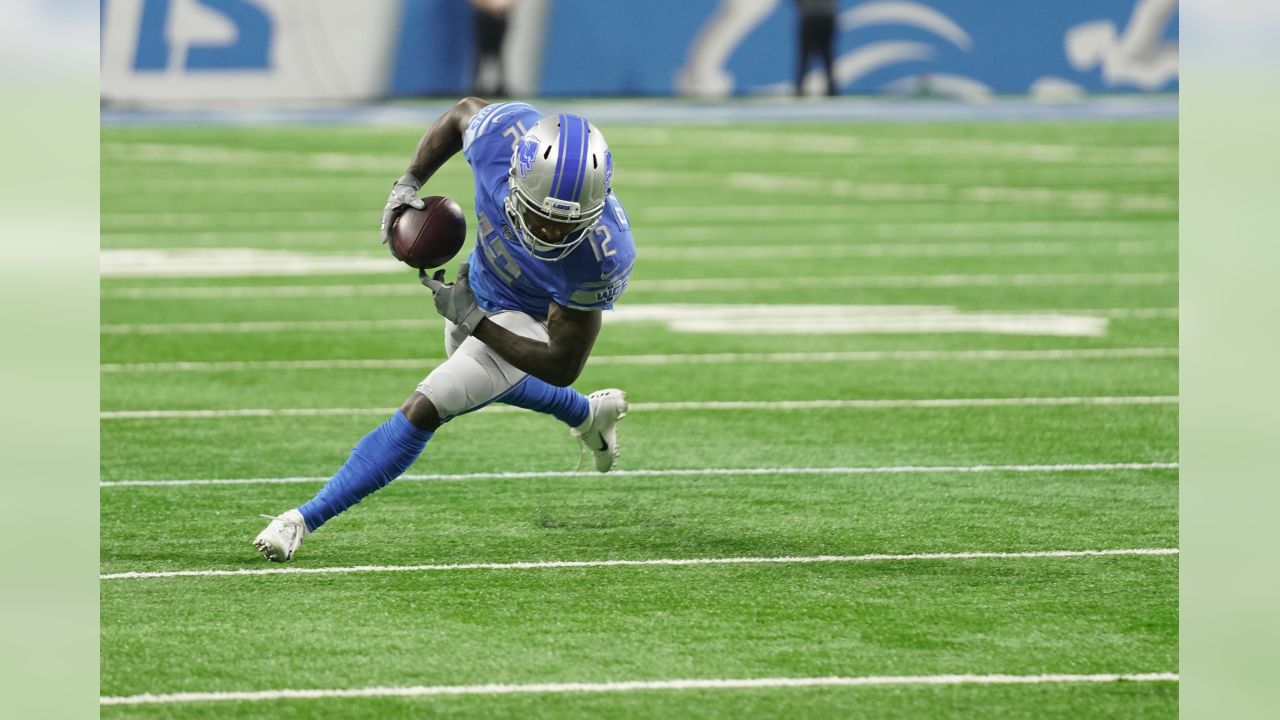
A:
1006,293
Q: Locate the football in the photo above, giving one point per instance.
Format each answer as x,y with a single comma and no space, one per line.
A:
429,237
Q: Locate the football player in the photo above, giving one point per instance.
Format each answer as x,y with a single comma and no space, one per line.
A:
553,249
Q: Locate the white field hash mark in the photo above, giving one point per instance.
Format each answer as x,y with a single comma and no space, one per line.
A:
665,359
677,472
562,564
630,686
670,406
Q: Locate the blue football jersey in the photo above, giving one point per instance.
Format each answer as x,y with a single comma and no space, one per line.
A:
503,275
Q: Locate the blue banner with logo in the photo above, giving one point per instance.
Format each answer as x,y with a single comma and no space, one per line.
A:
211,52
705,48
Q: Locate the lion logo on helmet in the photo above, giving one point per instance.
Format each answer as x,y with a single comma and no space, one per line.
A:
608,168
526,151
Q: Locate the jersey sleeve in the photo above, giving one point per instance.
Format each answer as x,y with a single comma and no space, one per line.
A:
492,134
615,252
597,295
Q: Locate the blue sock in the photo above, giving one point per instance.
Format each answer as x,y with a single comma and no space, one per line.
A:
567,405
379,457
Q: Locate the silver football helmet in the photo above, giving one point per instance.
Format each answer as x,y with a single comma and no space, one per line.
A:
561,171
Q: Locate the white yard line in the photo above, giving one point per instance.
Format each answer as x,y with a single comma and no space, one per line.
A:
789,251
272,326
136,182
817,213
678,250
908,281
788,143
628,686
902,403
265,292
346,240
1077,198
709,318
679,233
702,220
259,292
139,185
691,472
851,320
862,146
115,153
771,186
672,359
1103,234
542,565
250,262
872,198
670,406
1165,313
238,292
238,219
238,262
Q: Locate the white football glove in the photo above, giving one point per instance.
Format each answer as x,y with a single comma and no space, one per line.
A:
404,192
455,302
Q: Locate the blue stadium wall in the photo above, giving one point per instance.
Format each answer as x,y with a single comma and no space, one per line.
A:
640,48
211,52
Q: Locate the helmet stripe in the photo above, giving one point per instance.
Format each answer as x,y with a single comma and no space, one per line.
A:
556,178
571,163
584,140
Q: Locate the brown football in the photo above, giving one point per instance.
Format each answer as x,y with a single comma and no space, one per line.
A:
429,237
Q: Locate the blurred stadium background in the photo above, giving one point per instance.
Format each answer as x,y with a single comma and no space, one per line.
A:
935,315
213,52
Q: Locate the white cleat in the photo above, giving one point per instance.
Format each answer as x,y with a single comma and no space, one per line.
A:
599,433
282,537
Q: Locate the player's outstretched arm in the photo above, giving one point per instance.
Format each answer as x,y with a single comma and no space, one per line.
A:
442,141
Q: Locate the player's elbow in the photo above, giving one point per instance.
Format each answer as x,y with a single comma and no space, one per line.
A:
561,377
470,105
460,115
564,371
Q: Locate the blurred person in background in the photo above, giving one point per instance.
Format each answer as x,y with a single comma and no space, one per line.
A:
489,21
817,37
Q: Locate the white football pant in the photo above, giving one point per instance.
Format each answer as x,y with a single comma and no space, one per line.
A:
474,375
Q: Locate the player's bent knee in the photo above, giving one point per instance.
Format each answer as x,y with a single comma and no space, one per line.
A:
421,412
466,381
